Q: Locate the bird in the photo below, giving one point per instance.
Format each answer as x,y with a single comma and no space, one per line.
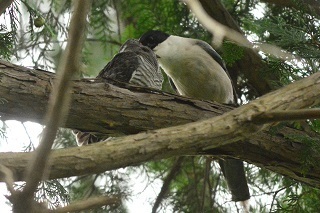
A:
198,71
135,64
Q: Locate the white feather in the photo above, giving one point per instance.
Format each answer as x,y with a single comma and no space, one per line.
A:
188,64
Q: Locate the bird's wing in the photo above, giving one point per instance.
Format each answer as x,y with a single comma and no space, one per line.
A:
148,73
173,86
121,67
206,47
136,65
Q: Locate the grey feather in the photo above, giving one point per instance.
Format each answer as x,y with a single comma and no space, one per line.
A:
134,64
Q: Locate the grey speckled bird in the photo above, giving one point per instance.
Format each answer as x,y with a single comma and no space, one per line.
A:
135,64
197,70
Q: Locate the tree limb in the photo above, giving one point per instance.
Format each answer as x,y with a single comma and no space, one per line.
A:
284,115
251,64
57,108
115,110
89,203
172,174
220,31
24,96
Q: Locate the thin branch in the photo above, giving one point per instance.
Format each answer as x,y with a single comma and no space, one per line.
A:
286,115
275,195
7,176
206,180
215,188
58,105
220,31
174,171
89,203
30,146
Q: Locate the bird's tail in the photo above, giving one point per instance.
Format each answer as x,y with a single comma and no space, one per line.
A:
233,171
85,138
245,206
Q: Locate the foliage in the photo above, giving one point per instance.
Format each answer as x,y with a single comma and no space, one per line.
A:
35,32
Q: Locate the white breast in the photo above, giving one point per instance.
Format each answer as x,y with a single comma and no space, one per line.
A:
194,72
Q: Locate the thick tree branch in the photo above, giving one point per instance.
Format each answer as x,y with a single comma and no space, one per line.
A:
24,96
112,109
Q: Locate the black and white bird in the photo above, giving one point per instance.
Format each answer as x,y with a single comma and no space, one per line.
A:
198,71
135,64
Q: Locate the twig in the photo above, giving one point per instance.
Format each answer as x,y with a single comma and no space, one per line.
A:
58,105
220,31
30,146
175,169
286,115
89,203
215,188
206,181
275,195
7,176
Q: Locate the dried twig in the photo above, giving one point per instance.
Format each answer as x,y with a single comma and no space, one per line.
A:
58,106
89,203
220,32
175,169
7,176
286,115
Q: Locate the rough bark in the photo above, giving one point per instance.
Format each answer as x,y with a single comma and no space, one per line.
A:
109,109
97,106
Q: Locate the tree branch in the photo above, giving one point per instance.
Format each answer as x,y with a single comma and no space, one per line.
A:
57,108
116,110
172,174
220,32
283,115
7,176
24,94
251,64
89,203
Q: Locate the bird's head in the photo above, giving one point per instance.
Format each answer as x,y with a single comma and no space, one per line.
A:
152,38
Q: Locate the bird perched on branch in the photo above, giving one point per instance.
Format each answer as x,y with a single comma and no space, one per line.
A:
198,71
135,64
